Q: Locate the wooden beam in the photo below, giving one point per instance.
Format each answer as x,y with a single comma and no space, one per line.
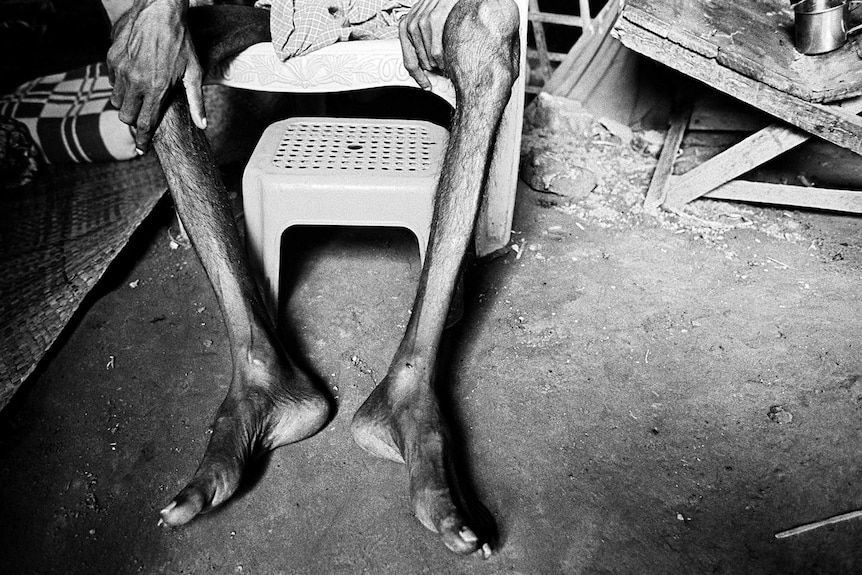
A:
552,56
826,121
783,194
663,170
586,17
562,19
753,151
541,45
582,53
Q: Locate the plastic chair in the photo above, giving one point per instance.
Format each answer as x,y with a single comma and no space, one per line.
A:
347,66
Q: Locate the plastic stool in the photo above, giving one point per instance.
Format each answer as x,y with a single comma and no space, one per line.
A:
338,171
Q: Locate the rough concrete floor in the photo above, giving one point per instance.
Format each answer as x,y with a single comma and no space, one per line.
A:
613,387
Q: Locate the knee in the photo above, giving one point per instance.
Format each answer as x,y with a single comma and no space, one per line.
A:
499,17
495,20
484,32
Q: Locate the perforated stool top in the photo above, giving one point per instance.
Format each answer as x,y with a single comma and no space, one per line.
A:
338,147
323,144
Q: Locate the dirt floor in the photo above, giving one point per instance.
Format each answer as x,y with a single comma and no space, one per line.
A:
635,395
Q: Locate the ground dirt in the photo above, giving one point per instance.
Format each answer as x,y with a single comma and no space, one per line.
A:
635,395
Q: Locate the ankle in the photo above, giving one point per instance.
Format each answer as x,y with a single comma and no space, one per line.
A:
408,377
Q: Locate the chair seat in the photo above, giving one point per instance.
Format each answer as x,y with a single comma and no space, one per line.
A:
343,66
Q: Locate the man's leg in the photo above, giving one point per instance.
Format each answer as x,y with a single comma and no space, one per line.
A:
401,418
271,402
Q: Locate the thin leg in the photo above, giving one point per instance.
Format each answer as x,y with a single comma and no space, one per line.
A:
271,402
401,419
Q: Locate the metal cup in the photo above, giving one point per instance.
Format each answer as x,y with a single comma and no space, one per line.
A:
822,25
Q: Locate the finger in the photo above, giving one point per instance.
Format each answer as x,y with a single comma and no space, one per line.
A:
111,62
414,34
148,119
411,62
129,108
426,34
193,84
118,95
437,46
112,75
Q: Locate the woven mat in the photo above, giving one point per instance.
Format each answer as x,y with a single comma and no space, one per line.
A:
57,237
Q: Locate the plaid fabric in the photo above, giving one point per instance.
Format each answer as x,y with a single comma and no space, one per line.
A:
301,26
70,116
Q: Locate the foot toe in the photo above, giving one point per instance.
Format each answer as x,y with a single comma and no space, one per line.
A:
188,503
460,540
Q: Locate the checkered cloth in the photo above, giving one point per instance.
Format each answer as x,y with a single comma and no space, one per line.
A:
301,26
70,116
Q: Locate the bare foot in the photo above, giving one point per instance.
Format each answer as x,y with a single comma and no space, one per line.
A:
266,407
401,421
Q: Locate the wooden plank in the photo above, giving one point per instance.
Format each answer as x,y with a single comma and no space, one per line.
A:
732,163
754,38
661,176
783,194
552,56
541,45
582,53
584,9
699,147
562,19
753,151
825,121
606,86
716,112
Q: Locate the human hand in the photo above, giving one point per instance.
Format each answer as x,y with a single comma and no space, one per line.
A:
421,35
151,50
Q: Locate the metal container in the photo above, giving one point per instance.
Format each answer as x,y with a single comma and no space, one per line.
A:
822,25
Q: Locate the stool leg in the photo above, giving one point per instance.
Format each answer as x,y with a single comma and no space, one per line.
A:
271,402
401,419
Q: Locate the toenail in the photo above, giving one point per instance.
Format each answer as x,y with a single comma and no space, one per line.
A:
486,551
468,535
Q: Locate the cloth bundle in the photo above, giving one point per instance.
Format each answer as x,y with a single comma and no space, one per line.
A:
70,116
301,26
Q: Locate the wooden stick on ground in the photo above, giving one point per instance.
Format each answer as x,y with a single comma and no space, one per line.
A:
818,524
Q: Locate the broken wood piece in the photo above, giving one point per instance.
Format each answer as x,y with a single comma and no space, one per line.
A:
658,185
782,194
733,162
541,44
818,524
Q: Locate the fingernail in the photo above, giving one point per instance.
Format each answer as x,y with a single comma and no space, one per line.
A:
468,535
169,508
139,151
203,123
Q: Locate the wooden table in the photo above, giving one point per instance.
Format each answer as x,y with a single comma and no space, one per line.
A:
745,49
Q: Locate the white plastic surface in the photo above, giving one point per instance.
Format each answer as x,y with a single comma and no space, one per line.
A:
338,171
